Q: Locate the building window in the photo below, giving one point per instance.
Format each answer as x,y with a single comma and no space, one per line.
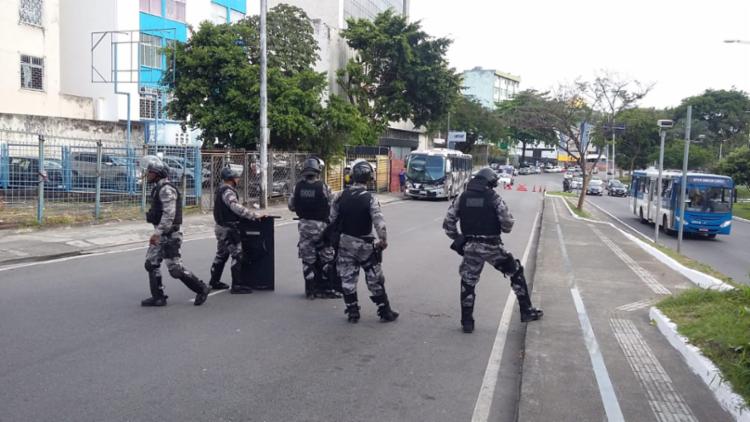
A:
30,12
176,10
152,7
148,103
32,72
150,51
218,14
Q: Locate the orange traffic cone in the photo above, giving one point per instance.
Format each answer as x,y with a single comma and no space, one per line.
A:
534,189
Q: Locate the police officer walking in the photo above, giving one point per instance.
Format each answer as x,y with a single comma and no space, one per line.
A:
166,216
311,200
227,215
356,211
483,216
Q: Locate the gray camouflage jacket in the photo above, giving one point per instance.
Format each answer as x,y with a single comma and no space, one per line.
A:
450,224
375,212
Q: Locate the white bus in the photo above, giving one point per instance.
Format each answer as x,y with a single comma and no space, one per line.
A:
437,173
708,201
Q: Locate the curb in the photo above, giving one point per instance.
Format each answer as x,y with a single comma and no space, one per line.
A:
39,258
698,278
744,220
703,367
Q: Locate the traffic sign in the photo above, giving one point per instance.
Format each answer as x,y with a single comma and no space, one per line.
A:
456,137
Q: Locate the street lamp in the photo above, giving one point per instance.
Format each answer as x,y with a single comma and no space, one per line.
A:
663,125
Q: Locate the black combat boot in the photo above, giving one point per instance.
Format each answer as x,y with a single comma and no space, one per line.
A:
352,307
323,282
385,312
531,314
467,319
215,282
157,292
196,285
237,287
520,287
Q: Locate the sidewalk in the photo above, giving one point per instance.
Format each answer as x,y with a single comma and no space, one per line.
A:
29,245
595,355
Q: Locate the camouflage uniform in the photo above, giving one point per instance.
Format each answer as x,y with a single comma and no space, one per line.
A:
480,249
316,254
228,241
168,247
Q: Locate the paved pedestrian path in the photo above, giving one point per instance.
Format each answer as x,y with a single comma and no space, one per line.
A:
27,245
595,356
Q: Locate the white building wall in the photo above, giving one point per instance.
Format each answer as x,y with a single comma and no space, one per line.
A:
44,42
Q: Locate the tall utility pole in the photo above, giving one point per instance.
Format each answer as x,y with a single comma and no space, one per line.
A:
263,106
683,184
663,134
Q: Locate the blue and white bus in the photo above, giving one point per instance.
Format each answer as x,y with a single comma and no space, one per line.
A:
708,201
437,173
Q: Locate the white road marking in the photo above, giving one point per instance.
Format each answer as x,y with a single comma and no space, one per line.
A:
213,293
634,306
641,272
606,390
489,382
620,221
664,400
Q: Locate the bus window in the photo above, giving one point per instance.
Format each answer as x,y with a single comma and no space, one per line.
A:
448,165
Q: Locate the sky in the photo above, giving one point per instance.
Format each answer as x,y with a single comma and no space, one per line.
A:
675,44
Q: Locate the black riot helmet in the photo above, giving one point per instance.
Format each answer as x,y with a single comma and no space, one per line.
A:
488,175
228,173
311,167
362,171
154,164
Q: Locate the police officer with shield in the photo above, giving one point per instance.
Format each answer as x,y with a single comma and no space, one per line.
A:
164,245
227,215
483,216
311,200
355,211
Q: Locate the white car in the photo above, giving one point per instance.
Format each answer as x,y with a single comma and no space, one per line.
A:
504,178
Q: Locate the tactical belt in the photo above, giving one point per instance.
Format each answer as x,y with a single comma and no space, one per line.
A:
485,240
171,230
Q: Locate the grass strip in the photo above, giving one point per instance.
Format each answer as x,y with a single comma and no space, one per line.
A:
719,324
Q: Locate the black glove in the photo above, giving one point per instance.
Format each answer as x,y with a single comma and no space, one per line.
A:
458,244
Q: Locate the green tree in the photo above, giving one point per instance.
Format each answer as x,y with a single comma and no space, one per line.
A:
737,166
640,139
468,115
217,87
510,114
399,72
701,158
720,115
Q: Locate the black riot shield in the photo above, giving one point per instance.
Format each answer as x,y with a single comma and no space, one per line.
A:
258,270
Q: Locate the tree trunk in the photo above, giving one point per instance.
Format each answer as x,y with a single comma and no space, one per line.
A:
584,185
523,153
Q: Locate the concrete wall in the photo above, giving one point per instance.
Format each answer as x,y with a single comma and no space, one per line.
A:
70,128
480,85
44,42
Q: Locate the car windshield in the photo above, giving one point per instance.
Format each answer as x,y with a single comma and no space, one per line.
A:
597,183
119,161
708,199
617,184
52,165
423,168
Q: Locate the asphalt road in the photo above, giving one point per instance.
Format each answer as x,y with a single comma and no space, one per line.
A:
76,345
727,254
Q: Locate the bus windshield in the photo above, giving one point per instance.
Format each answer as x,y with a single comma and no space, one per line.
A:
708,199
425,168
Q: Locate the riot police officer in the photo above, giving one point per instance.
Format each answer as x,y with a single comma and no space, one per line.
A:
166,216
483,216
227,214
311,200
355,211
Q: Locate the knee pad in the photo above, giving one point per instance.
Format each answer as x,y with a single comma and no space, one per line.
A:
466,290
511,266
175,271
150,266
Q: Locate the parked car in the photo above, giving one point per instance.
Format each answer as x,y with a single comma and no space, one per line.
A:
576,183
616,188
595,187
24,173
525,170
115,170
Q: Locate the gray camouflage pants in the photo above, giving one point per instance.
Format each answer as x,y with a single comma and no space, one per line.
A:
168,250
314,256
353,254
475,255
228,243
